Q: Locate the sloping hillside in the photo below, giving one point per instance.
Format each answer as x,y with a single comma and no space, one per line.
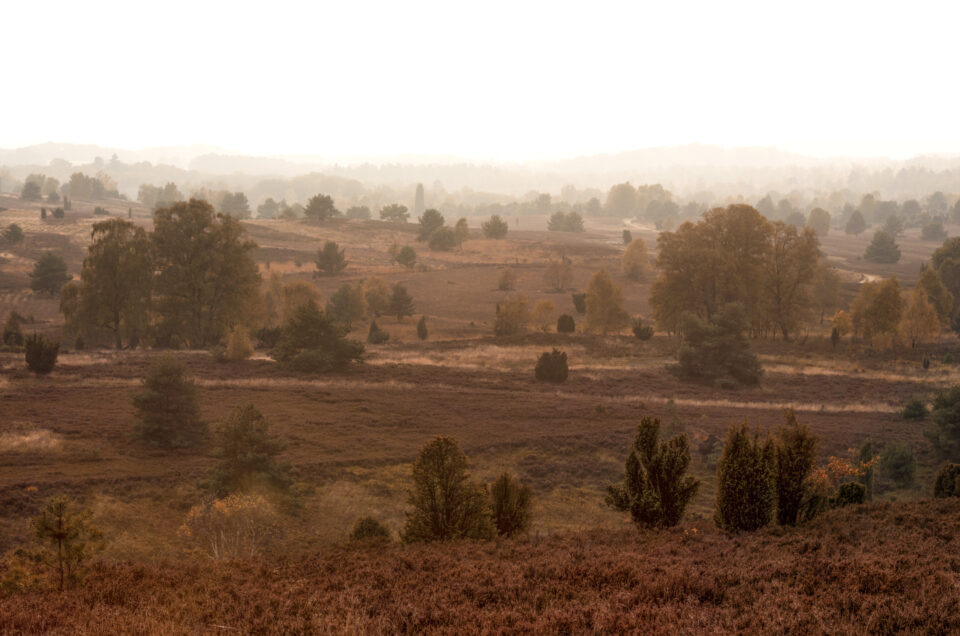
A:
879,568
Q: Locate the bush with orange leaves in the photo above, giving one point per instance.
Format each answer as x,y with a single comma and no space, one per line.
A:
238,526
825,484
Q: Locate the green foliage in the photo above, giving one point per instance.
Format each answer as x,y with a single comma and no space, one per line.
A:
746,485
67,539
58,212
312,342
330,259
407,257
369,529
40,353
13,234
49,274
205,274
640,330
899,464
655,490
167,407
358,212
115,283
565,222
566,324
320,208
945,433
850,493
551,366
248,455
882,249
347,305
395,213
443,239
795,454
718,350
914,409
495,228
12,336
401,303
580,302
856,223
446,504
510,505
933,231
948,481
422,328
376,335
31,191
431,221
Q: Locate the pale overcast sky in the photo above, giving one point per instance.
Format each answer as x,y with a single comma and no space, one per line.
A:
497,80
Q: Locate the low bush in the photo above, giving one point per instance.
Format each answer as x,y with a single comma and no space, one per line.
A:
640,330
376,335
914,409
899,464
849,493
41,354
369,529
948,481
552,366
566,324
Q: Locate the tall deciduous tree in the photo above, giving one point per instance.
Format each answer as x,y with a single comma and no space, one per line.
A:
790,267
205,273
116,282
605,310
877,309
819,221
920,321
635,262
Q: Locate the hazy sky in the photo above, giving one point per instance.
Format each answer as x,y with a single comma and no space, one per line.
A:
501,80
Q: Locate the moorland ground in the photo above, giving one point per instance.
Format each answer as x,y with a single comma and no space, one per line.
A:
351,437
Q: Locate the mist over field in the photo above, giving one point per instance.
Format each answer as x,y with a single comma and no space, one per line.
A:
504,318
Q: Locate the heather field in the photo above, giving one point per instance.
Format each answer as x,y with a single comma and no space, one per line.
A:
879,568
351,438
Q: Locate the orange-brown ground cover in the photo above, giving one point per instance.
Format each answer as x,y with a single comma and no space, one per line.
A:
878,568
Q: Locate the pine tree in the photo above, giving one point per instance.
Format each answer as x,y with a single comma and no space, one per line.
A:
401,304
510,502
248,455
68,539
446,504
746,492
656,489
796,452
168,410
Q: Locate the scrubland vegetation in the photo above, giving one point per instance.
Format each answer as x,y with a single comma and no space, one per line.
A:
626,412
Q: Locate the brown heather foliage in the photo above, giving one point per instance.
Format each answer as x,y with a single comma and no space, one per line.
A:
875,568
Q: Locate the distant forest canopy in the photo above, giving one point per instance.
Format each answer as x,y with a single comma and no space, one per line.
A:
687,181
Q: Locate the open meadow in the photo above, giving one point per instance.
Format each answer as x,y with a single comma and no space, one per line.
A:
352,436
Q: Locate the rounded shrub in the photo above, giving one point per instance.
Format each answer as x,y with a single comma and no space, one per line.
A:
914,409
640,330
948,481
377,335
852,492
899,464
369,529
552,366
566,324
41,354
